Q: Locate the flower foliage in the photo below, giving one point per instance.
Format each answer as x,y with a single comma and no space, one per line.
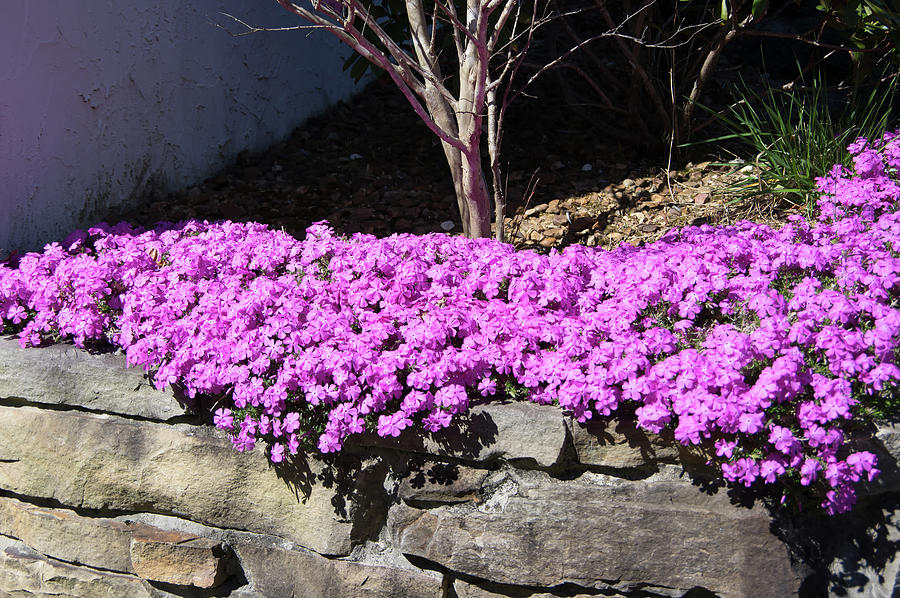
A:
759,345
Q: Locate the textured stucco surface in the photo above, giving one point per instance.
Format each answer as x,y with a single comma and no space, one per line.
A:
103,102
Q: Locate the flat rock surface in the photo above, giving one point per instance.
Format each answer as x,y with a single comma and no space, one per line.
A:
602,532
512,431
63,374
276,571
63,534
26,574
618,444
179,470
178,558
467,590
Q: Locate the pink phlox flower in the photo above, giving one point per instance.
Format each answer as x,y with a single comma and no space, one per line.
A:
751,423
863,464
223,419
487,386
393,424
276,453
291,422
771,469
725,448
809,471
784,440
436,420
243,442
744,470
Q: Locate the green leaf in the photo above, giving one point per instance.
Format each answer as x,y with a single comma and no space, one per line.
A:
758,8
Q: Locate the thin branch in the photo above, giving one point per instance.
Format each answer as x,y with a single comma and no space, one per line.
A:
409,87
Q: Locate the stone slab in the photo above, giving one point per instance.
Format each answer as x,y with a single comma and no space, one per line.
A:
511,431
180,470
442,482
618,444
277,571
25,573
598,531
64,535
178,558
465,589
63,374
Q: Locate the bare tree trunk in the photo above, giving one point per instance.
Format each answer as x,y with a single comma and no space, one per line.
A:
493,125
455,119
476,192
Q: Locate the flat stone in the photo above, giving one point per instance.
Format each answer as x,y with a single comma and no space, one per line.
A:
26,573
865,560
554,232
278,571
618,443
180,470
178,558
63,374
599,531
442,482
64,535
538,209
468,590
511,431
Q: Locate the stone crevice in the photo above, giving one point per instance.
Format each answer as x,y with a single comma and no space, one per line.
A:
187,419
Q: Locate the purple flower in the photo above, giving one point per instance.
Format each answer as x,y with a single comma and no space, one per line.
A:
724,448
393,424
809,471
770,469
744,470
276,453
222,419
798,326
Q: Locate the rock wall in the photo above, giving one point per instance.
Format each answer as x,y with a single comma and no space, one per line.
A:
111,488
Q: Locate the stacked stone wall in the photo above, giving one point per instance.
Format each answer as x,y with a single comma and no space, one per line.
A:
109,487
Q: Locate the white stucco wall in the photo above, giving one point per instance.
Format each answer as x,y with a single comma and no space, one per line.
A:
104,101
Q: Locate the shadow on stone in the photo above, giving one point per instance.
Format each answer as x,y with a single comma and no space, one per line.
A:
355,484
235,581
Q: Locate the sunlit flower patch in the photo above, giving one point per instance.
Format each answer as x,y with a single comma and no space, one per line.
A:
762,346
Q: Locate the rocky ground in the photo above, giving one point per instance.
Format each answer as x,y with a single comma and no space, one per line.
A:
369,165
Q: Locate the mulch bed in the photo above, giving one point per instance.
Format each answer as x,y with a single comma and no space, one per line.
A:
369,165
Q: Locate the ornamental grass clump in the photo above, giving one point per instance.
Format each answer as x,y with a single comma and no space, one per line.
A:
762,347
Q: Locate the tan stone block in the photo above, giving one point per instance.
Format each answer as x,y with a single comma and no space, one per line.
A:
178,558
619,444
26,574
276,571
66,375
187,471
63,534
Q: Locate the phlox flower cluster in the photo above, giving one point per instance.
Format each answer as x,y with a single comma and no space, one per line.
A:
754,344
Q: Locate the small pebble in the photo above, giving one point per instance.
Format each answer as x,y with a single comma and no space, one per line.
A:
447,225
541,207
587,167
355,157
